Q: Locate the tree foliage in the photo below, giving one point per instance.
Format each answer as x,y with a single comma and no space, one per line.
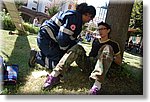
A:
53,10
136,20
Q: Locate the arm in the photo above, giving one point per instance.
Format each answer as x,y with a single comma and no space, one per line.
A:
117,55
118,59
65,42
65,36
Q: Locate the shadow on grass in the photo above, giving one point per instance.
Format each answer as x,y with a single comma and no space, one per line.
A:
74,82
124,80
77,81
19,56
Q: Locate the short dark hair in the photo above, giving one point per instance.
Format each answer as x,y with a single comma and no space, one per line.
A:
105,24
83,8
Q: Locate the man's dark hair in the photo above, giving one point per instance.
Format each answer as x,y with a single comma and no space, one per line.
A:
83,8
105,24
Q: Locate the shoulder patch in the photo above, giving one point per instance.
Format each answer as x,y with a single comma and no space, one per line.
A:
73,27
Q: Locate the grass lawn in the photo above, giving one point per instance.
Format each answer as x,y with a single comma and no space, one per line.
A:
127,80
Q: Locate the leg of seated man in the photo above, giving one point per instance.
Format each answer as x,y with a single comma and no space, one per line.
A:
75,53
64,63
105,58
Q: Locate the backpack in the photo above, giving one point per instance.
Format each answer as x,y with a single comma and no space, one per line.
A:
10,72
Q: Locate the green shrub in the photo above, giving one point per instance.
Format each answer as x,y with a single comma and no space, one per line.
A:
9,25
7,22
30,28
53,10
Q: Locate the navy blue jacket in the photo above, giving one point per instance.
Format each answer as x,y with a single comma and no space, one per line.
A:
59,34
65,26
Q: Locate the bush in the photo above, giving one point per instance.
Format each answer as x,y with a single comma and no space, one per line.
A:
9,25
7,22
30,28
53,10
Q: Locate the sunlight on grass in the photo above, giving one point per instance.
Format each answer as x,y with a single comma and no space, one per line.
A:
1,38
7,44
132,60
87,47
61,91
34,83
32,41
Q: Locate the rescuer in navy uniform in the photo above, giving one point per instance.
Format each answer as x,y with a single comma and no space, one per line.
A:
59,34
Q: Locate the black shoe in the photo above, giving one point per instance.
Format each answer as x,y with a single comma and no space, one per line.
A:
32,59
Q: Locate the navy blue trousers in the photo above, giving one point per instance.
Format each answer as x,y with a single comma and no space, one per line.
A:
50,53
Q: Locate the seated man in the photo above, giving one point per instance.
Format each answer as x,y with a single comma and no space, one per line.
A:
104,51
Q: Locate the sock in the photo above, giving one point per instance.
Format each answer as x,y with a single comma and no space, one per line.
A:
55,73
97,84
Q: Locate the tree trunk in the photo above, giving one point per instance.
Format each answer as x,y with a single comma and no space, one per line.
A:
118,16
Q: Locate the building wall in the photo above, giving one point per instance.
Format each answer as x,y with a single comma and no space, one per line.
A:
41,5
31,4
68,4
38,5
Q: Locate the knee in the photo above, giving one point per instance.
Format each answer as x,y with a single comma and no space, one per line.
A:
77,49
106,48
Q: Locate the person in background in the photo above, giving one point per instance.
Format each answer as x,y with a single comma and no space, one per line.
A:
88,36
36,22
104,51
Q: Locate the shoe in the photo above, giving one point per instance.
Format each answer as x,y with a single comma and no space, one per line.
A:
51,81
94,91
32,58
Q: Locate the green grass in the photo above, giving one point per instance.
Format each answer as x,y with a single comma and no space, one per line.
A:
15,50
